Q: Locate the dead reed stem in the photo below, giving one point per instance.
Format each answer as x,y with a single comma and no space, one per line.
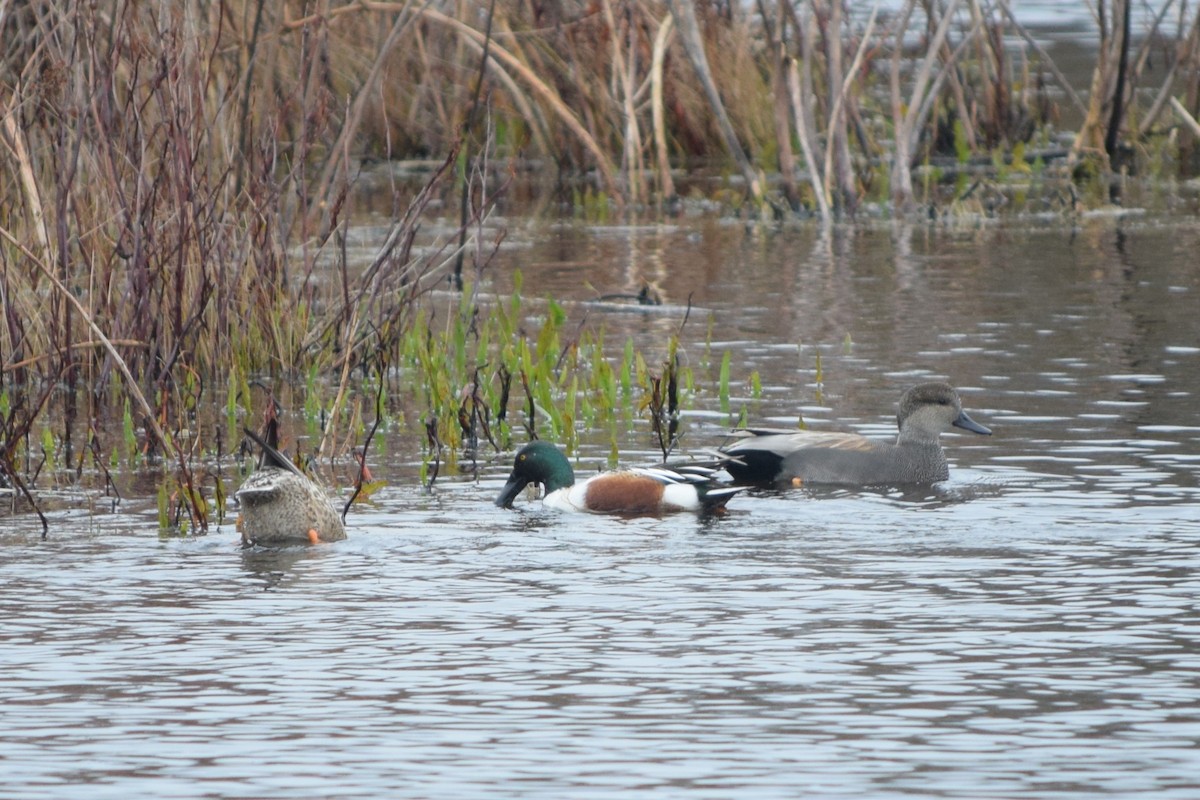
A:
836,132
689,32
839,180
476,40
1185,117
166,443
1044,57
799,84
14,139
922,95
182,174
780,104
1184,63
666,184
354,115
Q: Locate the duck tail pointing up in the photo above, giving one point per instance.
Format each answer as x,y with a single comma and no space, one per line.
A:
714,498
270,456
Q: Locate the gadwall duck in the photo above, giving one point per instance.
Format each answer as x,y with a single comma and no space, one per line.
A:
281,505
649,490
801,457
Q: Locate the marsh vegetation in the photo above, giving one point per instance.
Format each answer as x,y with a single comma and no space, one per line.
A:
181,182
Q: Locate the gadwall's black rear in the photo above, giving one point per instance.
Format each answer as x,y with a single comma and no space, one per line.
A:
926,411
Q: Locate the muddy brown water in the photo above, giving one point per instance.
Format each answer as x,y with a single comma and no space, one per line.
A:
1028,629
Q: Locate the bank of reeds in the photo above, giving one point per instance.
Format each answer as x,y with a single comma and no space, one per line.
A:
172,227
177,180
839,99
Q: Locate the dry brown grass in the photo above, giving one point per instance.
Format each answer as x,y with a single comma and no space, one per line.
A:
175,178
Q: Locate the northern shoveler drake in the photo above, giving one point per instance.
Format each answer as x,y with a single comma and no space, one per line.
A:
649,490
798,457
281,505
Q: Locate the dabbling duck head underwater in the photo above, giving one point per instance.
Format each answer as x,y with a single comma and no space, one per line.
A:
281,505
646,490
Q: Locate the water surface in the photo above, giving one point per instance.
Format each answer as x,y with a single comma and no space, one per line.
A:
1028,629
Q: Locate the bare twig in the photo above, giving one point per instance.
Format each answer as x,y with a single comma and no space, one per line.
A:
349,127
15,479
467,126
435,444
167,444
476,39
381,365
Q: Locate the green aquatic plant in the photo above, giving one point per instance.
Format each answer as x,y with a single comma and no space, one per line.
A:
163,504
129,435
1018,162
483,355
235,387
313,408
591,205
723,382
962,147
49,450
628,369
661,400
220,498
962,154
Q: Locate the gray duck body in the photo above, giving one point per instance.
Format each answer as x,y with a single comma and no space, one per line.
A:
916,457
281,505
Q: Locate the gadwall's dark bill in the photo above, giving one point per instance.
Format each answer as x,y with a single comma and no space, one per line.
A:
926,411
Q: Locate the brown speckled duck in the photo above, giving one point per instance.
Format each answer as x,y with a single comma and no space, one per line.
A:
281,505
808,457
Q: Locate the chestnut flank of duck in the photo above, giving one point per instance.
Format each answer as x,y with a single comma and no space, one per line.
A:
651,490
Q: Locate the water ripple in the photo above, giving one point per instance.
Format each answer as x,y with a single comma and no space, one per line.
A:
1028,629
843,643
